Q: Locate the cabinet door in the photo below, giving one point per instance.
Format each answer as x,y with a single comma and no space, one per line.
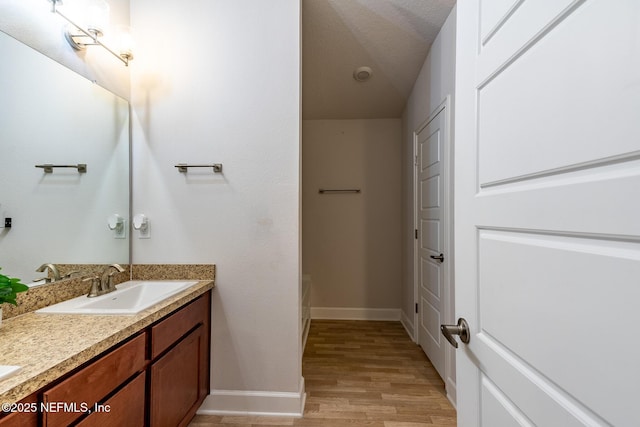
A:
125,408
176,382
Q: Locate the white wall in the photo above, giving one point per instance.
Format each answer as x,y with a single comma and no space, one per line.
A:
32,22
435,82
219,81
351,242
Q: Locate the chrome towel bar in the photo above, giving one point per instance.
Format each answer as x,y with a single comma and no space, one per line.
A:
48,168
183,167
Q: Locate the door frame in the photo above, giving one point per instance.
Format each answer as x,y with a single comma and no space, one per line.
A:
447,245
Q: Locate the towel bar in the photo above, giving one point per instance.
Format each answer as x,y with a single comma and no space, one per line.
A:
346,190
183,167
48,168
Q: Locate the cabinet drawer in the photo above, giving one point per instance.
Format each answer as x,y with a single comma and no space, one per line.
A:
94,382
170,330
23,418
125,408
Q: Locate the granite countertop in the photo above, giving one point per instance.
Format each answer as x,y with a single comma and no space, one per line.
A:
47,346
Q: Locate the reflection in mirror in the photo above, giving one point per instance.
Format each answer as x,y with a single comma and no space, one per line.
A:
51,115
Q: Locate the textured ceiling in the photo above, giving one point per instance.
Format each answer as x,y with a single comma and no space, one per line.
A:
390,36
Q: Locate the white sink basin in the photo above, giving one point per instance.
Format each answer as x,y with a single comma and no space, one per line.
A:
8,370
130,298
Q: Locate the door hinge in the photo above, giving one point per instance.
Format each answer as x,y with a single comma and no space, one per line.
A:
416,161
416,307
416,233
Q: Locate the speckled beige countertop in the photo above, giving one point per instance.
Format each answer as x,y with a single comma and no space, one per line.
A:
48,346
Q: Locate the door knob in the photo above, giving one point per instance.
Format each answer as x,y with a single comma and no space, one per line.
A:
462,329
438,257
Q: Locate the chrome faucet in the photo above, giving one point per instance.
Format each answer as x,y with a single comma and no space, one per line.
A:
53,269
103,284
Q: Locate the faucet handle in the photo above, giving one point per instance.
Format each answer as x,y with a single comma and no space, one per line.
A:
71,274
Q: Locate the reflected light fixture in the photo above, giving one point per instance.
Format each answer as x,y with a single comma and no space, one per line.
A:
97,19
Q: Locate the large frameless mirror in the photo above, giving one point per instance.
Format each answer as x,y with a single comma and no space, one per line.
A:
53,209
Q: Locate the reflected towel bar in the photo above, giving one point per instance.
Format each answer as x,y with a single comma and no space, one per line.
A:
183,167
346,190
48,168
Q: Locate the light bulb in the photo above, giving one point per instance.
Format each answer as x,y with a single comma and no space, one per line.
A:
97,16
125,42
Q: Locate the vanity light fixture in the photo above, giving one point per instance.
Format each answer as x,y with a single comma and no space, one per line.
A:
97,19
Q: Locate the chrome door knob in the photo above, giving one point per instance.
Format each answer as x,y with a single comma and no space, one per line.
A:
461,329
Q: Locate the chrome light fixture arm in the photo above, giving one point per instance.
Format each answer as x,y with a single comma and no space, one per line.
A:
93,35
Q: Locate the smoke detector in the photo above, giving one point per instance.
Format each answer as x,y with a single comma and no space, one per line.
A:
362,74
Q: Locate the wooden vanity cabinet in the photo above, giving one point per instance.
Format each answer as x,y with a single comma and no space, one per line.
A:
158,378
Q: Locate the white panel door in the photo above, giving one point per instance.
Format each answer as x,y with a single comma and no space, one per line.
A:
547,212
431,253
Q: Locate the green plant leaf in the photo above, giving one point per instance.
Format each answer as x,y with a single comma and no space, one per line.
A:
11,301
9,288
19,287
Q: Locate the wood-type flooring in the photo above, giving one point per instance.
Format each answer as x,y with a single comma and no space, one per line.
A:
361,373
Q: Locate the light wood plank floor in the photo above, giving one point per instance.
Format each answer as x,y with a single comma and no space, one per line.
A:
361,373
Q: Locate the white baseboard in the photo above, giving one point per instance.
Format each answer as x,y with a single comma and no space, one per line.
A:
408,326
451,392
341,313
255,403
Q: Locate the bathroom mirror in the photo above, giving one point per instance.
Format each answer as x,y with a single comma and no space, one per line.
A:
51,115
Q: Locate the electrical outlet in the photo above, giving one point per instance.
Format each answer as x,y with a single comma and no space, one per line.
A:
120,232
141,223
145,232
